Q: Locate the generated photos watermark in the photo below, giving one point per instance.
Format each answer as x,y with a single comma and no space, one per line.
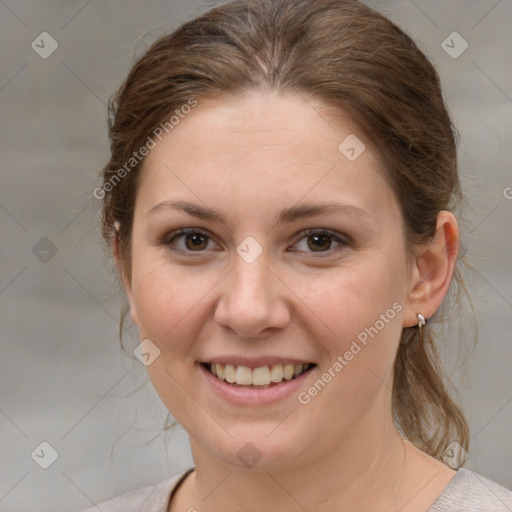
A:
361,341
143,151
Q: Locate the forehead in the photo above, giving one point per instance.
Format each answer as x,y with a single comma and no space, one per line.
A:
264,148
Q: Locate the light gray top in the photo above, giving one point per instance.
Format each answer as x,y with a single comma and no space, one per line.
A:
466,492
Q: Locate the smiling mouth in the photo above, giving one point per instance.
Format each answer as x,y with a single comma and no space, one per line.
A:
261,377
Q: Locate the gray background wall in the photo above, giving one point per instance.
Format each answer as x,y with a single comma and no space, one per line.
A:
63,378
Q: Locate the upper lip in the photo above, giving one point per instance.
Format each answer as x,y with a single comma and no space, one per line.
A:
256,362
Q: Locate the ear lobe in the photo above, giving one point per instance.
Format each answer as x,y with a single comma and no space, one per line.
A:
433,270
126,283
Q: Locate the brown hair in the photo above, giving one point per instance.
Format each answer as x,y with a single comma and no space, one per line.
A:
356,61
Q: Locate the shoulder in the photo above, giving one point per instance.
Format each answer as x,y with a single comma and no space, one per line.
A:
153,498
471,492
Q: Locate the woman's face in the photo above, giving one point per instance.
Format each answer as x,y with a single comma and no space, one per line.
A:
275,281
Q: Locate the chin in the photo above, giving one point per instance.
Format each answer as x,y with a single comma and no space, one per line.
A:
263,448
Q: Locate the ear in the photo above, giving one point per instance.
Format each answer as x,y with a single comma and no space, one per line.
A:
124,278
432,270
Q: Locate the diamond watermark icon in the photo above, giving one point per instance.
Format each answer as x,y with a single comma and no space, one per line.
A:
352,147
44,455
146,352
249,250
249,455
44,250
454,45
44,45
454,455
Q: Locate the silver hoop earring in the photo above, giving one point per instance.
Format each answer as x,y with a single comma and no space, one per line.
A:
421,321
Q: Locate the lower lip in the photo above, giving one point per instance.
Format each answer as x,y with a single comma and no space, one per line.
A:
254,396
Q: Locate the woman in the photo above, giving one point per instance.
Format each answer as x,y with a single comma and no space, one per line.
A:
279,202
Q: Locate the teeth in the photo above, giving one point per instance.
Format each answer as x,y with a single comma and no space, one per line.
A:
243,376
276,373
288,370
261,376
229,373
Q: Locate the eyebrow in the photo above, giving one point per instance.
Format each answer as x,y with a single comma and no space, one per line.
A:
287,215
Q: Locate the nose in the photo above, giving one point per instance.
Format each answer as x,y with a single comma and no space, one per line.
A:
253,300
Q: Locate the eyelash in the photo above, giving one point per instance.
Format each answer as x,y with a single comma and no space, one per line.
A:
304,234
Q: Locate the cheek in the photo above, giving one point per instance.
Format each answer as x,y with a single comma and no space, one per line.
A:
166,300
169,303
353,299
364,311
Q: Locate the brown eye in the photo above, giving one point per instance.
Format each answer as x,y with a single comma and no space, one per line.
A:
320,242
196,241
188,240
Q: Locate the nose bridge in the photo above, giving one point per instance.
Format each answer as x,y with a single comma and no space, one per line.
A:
251,285
251,301
250,273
